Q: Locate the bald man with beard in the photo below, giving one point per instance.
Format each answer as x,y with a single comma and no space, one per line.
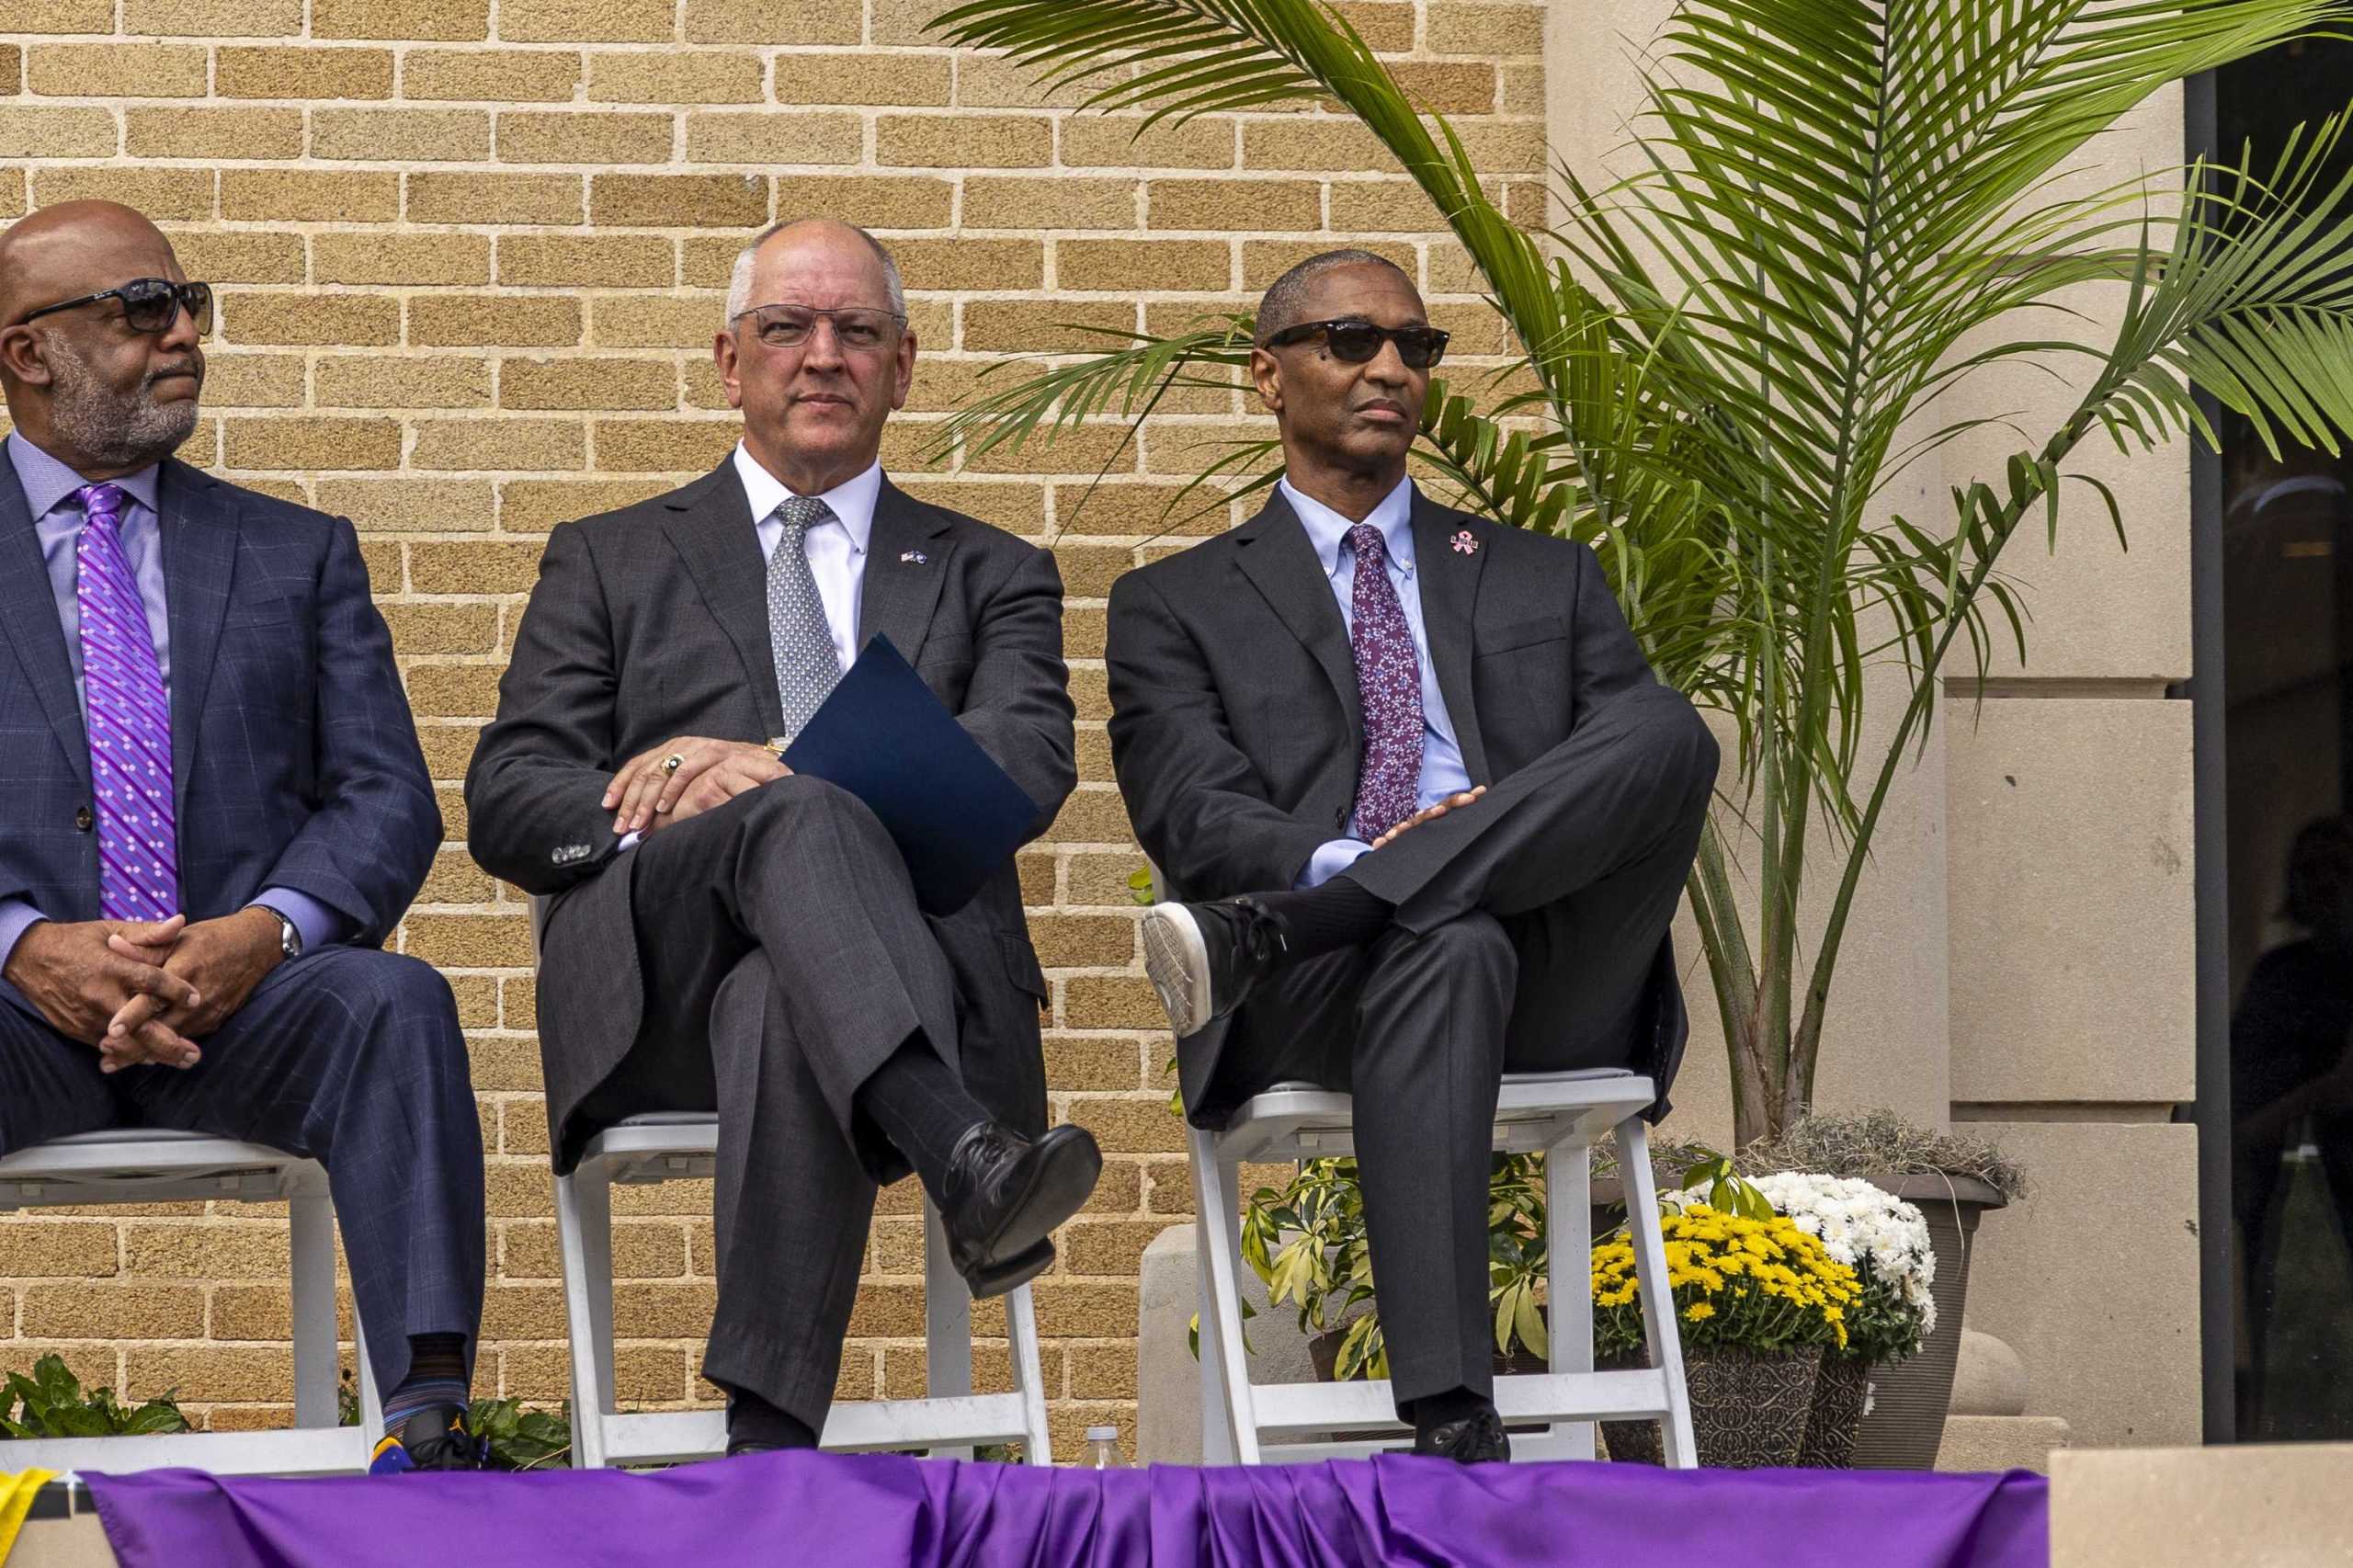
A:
217,811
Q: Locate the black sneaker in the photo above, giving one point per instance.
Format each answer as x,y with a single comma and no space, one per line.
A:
1206,958
433,1438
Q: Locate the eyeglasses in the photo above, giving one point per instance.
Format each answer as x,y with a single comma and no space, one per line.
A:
856,328
149,305
1356,342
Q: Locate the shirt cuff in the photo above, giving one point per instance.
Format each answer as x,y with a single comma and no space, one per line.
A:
17,918
319,925
1329,860
628,841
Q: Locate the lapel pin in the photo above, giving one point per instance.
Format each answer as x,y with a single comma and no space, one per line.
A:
1464,544
916,556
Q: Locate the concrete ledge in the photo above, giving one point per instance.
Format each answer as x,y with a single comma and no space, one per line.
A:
78,1542
2001,1442
2269,1506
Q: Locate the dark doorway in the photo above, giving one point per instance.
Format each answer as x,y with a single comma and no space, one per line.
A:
2285,602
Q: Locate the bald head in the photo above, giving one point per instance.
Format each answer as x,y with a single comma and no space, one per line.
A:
818,234
82,383
76,248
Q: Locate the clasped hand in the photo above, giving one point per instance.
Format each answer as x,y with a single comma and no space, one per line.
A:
1430,813
143,991
644,798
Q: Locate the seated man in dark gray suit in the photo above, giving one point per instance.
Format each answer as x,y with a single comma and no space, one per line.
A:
725,934
1438,806
216,810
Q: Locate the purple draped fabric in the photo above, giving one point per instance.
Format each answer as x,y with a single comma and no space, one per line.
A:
853,1511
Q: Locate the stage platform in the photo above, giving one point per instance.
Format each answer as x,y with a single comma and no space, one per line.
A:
865,1511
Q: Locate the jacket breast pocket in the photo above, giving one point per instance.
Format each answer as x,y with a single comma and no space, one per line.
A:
1516,636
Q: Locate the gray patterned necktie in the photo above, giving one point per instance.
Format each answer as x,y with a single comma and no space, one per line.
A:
800,637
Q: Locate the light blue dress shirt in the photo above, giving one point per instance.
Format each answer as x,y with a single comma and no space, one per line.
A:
1443,773
49,486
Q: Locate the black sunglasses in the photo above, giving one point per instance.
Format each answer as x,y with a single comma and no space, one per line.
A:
149,305
1356,342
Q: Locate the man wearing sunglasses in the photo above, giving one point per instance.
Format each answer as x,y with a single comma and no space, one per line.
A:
1430,808
721,934
217,810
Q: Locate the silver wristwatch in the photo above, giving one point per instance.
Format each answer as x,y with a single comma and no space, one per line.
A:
289,936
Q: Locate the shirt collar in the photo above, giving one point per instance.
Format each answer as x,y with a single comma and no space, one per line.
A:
1327,530
48,483
852,500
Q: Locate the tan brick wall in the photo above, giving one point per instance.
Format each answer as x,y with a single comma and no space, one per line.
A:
470,257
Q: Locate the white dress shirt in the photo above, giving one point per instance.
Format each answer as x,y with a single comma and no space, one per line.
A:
1443,773
837,549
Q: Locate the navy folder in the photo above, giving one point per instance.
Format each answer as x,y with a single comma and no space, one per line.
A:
954,813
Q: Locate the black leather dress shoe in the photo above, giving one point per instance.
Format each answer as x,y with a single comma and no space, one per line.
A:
1003,1196
1477,1438
433,1438
1204,959
750,1446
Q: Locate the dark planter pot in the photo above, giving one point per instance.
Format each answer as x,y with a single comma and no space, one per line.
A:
1905,1422
1750,1409
1839,1396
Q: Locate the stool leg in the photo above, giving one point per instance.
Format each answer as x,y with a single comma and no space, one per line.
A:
946,1322
584,1219
1568,1216
1659,1330
311,1242
1229,1427
1029,1376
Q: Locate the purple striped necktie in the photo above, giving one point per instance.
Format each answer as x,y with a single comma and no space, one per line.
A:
130,722
1389,690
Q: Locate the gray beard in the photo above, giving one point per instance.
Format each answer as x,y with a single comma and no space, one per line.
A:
126,430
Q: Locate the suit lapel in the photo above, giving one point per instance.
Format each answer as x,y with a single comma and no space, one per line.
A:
711,527
1449,578
906,563
1276,556
29,610
200,540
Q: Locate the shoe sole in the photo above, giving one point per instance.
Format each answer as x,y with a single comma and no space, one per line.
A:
1013,1273
1059,1188
1177,962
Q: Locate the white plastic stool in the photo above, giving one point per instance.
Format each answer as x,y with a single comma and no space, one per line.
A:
670,1147
1559,1113
149,1165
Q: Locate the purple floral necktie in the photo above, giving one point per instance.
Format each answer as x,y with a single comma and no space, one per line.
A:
130,723
1389,688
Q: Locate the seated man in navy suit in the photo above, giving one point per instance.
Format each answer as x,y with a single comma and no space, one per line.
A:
217,810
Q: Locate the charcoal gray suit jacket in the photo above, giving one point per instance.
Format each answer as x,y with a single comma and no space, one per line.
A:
652,622
1237,734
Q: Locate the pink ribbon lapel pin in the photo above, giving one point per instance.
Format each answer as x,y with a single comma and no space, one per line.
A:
1464,544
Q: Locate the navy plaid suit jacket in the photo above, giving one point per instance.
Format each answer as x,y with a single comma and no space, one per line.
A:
294,761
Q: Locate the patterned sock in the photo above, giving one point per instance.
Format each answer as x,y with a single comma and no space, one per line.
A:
1340,913
436,1375
920,1105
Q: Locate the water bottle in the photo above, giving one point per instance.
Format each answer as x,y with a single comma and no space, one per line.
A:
1103,1449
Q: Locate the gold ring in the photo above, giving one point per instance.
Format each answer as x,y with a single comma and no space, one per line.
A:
672,762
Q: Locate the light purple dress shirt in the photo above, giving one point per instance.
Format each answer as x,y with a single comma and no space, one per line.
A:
1443,772
49,486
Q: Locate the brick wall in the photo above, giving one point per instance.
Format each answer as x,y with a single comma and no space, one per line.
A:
471,254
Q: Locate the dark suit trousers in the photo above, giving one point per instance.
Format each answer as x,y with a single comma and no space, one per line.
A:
1526,927
783,959
348,1056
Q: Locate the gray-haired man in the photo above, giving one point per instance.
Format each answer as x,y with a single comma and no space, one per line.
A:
725,934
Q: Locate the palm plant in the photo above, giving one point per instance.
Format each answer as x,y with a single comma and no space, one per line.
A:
1837,212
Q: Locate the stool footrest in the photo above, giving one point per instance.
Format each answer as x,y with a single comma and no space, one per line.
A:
1289,1410
669,1437
301,1450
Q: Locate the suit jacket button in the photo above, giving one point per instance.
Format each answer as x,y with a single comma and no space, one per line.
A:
83,819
